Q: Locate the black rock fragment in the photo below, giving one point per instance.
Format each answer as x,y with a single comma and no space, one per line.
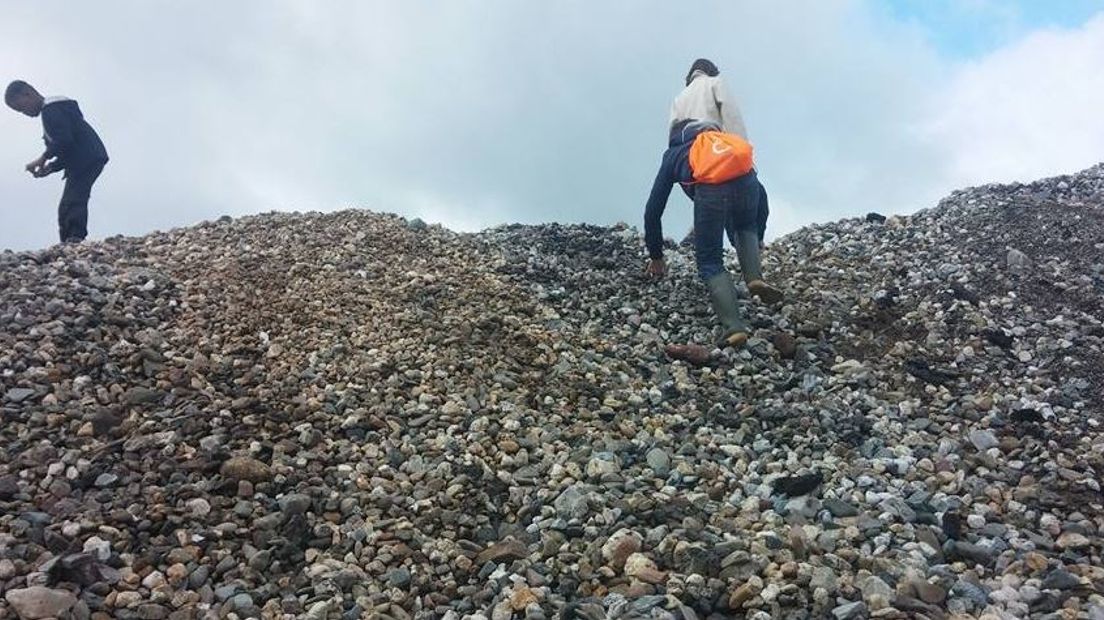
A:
794,486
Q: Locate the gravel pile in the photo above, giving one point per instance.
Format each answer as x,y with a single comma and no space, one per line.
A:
352,415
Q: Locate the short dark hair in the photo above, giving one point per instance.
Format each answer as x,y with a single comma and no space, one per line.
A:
16,88
704,65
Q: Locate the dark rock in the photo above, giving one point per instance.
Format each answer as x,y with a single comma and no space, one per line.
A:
261,560
9,487
923,371
785,344
199,576
571,503
850,611
399,577
104,421
976,595
696,561
151,611
929,592
295,503
141,395
875,218
969,552
1049,602
106,479
79,568
504,551
1061,579
998,337
965,294
918,608
952,524
18,395
983,439
658,460
793,486
241,601
840,508
1027,415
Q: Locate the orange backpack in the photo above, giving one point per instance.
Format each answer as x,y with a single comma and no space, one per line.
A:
716,157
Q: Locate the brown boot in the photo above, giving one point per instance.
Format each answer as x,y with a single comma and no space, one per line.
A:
766,292
736,340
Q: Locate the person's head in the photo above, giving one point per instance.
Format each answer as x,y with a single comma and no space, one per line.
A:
22,97
705,66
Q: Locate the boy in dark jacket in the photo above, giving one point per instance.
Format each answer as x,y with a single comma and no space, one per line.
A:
71,145
730,205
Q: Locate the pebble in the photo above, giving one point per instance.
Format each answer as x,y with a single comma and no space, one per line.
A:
18,395
199,507
1017,259
506,550
983,440
876,593
246,468
840,508
640,566
399,577
659,461
1060,579
848,611
619,547
241,602
1073,540
571,504
39,602
98,547
824,577
295,504
106,480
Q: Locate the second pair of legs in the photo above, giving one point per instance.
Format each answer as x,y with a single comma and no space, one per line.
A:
730,206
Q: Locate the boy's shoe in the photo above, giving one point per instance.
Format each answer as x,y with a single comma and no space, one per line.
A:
692,353
766,292
736,340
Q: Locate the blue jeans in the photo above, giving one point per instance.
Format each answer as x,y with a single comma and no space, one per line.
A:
726,206
761,217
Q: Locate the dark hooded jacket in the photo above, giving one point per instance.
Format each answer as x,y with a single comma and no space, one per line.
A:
70,138
673,168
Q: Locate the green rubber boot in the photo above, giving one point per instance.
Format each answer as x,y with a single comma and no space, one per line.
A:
722,292
747,251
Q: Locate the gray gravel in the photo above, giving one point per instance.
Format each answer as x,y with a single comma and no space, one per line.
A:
350,415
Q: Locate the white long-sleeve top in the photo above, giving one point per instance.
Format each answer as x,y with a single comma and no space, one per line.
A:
706,98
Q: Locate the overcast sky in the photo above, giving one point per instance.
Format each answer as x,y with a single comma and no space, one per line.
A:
474,114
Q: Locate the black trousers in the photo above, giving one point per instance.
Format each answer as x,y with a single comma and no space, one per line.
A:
73,209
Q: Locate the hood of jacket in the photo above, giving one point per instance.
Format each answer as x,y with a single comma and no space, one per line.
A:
62,104
684,132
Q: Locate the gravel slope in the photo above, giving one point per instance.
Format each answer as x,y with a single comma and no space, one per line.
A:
351,415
